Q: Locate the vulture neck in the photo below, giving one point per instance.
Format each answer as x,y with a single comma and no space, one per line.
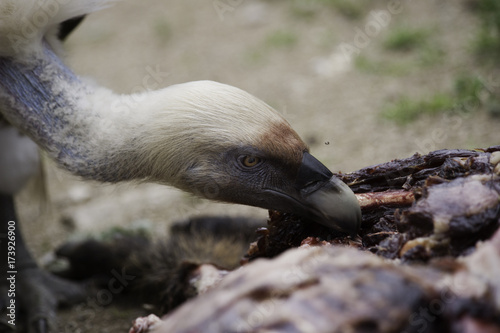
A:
87,129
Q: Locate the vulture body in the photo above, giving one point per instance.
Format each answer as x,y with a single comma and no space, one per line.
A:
210,139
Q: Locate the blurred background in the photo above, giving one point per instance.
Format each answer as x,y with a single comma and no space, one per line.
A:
363,82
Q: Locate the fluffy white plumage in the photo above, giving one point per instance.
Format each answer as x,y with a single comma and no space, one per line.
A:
23,23
171,136
203,137
23,26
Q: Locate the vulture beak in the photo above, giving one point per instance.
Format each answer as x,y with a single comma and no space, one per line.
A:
328,199
323,198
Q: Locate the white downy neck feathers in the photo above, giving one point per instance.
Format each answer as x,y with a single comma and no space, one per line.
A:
101,135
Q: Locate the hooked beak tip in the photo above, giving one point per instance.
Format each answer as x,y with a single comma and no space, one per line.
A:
329,199
336,206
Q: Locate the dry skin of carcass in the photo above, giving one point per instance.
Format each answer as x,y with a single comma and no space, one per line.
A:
426,258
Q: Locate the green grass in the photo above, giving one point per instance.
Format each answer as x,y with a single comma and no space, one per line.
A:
487,46
277,40
407,110
468,89
431,55
424,53
281,39
305,10
351,9
366,65
466,97
426,57
487,41
162,30
406,39
254,57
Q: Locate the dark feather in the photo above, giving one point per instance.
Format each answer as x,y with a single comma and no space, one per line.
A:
68,26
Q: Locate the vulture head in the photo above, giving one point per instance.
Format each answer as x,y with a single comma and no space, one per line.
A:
207,138
224,144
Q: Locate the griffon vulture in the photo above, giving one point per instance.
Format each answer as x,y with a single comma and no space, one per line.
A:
203,137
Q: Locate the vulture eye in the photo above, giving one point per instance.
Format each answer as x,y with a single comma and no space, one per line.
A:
249,161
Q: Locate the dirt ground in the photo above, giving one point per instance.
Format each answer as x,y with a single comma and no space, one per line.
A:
285,52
